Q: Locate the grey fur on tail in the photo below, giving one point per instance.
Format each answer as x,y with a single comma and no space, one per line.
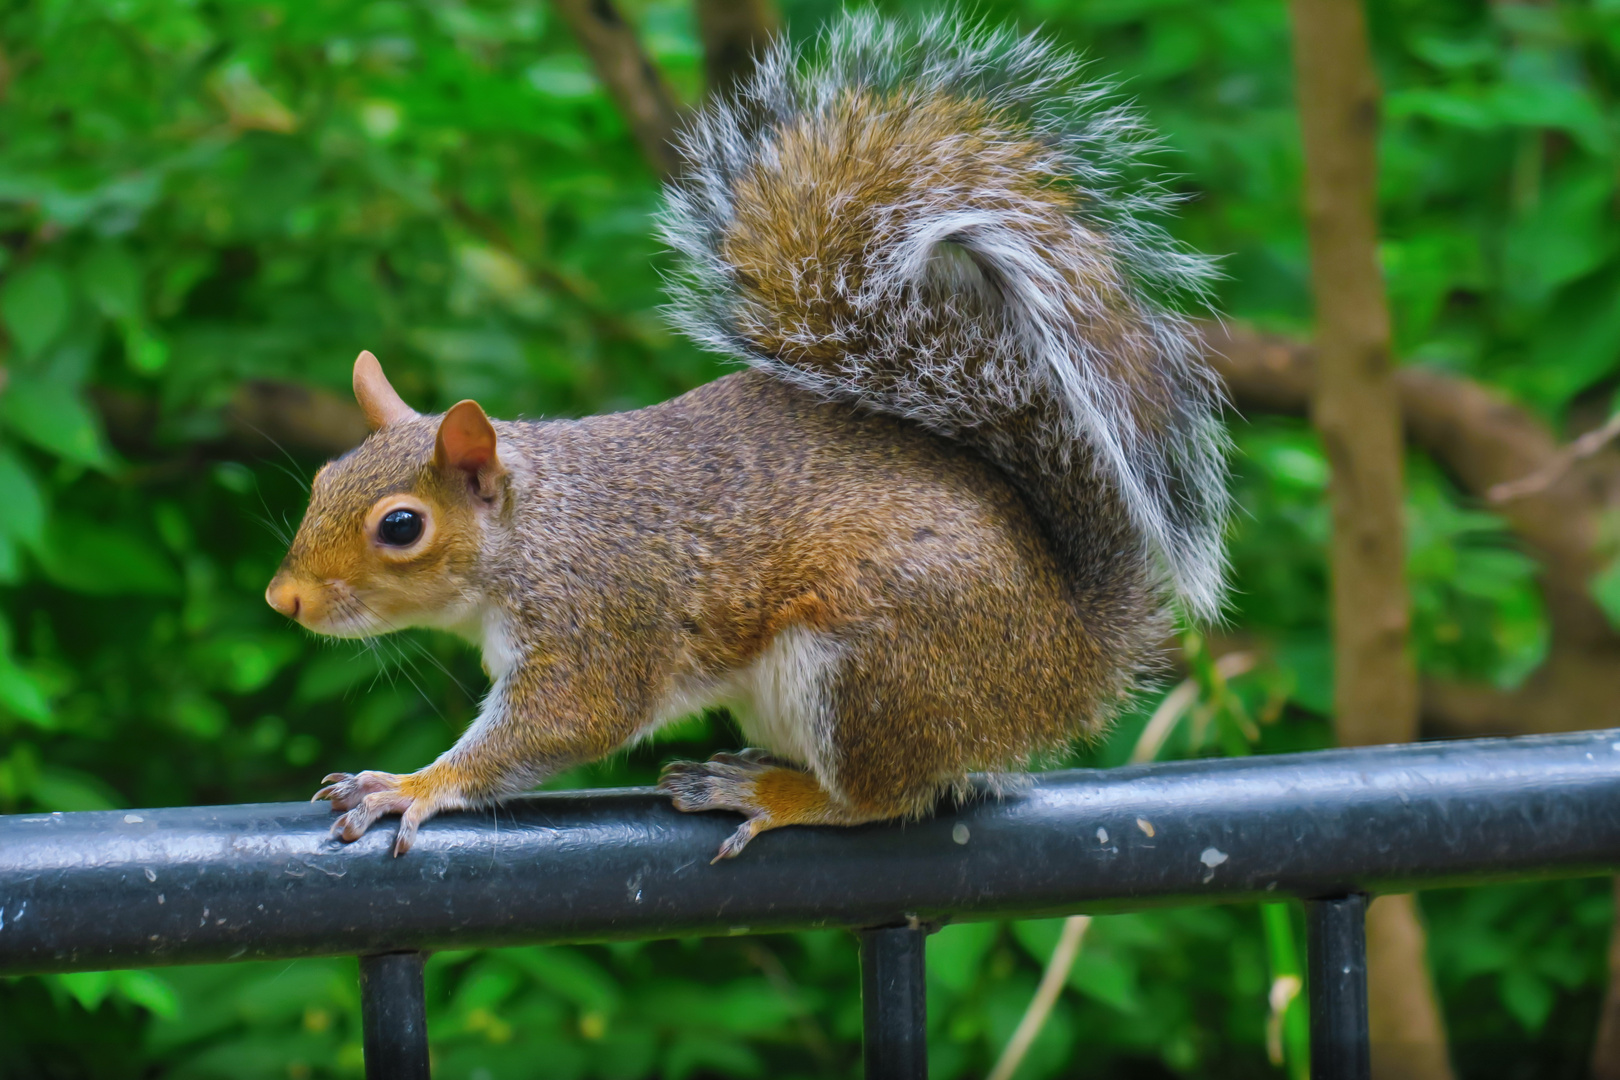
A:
973,308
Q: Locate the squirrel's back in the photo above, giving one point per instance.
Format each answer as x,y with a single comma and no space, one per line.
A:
949,225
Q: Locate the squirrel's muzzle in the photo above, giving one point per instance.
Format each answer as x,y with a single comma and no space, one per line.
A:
312,604
285,597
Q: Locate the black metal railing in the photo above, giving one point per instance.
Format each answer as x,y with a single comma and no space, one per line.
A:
117,889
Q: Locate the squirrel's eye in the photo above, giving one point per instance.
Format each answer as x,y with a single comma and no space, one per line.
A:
400,528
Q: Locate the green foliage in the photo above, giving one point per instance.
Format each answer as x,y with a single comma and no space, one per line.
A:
193,195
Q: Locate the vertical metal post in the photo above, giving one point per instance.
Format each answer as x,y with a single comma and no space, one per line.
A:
393,1016
894,1004
1336,977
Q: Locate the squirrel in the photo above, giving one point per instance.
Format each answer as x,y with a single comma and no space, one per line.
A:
940,522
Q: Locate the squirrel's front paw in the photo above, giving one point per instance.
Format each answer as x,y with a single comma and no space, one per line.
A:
365,797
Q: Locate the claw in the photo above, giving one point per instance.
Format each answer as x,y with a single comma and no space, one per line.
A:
738,840
409,822
724,782
360,799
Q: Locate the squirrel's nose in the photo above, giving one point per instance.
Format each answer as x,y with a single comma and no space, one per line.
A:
283,596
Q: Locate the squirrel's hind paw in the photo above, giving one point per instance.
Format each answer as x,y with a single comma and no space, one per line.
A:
724,782
766,792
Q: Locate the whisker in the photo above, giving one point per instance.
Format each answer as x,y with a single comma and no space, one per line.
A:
427,654
421,649
274,529
403,669
374,646
281,532
430,702
297,477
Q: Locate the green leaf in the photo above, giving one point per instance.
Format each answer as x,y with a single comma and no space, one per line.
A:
53,416
1105,976
10,561
146,353
1605,588
24,516
1568,235
111,278
105,560
285,992
88,988
198,715
1004,1006
34,303
1527,996
1549,103
1465,110
335,673
1492,573
957,951
571,974
244,664
1038,936
150,992
60,788
565,78
690,1054
1299,464
1451,52
1308,659
627,1052
22,696
485,986
754,1007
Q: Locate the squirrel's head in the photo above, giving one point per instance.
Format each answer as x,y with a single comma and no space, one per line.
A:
392,535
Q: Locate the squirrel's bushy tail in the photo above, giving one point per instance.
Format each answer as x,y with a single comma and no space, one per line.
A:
949,224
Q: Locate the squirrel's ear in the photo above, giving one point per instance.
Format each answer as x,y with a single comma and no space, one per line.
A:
377,398
467,443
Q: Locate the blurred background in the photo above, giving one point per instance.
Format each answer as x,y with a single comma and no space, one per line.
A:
207,207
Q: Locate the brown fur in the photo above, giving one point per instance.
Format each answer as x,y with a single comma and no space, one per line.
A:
932,531
627,555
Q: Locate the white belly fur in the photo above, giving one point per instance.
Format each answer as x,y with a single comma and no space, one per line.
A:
780,700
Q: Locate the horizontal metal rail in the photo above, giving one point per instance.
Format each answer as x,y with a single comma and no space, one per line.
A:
117,889
111,889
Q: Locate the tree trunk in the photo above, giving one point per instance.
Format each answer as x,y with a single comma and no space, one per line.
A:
1355,407
1403,1015
1606,1049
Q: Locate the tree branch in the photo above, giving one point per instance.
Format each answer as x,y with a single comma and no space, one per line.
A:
1483,440
634,83
1582,448
262,416
734,32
